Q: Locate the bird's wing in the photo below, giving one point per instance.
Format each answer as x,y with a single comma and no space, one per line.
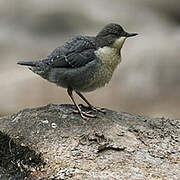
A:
74,53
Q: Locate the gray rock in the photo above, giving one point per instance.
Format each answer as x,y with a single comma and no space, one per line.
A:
53,143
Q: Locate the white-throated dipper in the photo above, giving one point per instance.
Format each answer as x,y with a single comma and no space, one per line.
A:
84,63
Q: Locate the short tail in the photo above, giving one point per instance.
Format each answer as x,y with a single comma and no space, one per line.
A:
27,63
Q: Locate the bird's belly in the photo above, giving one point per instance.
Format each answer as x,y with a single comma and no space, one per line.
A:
99,79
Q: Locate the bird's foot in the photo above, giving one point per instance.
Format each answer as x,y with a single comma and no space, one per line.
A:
85,115
96,109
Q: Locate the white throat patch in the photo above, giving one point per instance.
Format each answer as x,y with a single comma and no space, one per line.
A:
119,42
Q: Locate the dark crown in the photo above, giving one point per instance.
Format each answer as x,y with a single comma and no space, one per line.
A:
112,29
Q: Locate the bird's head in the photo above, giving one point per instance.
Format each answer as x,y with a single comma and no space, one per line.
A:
113,35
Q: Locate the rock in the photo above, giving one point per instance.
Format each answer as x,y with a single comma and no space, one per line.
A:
51,142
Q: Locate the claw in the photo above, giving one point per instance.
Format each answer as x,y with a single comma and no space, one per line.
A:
102,110
96,109
85,115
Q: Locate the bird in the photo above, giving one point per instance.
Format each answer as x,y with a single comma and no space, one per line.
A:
83,64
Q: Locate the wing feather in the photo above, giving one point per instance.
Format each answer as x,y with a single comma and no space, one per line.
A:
74,53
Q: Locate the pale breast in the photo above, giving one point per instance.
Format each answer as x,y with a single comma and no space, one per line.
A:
110,58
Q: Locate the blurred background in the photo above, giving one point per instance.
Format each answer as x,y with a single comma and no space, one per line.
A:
147,80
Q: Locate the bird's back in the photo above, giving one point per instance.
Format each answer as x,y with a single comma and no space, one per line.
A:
74,53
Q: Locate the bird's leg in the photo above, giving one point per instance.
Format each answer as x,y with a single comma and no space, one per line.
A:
90,106
83,114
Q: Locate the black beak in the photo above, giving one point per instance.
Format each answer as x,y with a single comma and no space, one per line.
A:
130,34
